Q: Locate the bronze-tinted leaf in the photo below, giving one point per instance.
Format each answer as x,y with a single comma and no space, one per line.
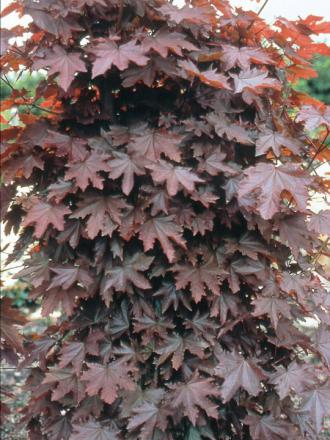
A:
73,147
196,15
59,299
175,346
10,321
36,271
223,126
148,417
210,77
73,353
67,276
66,382
322,342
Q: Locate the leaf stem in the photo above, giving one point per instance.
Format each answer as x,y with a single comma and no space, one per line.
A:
120,15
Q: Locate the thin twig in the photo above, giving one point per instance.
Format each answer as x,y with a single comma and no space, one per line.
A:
319,150
120,16
16,368
6,81
43,109
319,165
258,13
10,268
262,7
28,104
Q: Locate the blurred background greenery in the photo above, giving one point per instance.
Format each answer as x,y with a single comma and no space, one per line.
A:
318,87
23,80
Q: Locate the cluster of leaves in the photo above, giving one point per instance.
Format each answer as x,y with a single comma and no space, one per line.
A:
11,345
166,213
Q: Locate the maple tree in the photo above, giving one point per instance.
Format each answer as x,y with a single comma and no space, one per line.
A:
167,178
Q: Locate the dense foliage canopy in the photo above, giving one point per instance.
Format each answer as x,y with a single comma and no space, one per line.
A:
162,199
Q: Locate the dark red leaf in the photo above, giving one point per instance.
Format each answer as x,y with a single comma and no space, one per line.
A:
152,143
200,278
274,140
162,229
193,396
108,380
109,54
94,431
238,372
43,214
267,427
254,79
175,177
104,214
86,171
320,222
243,57
62,62
266,183
314,117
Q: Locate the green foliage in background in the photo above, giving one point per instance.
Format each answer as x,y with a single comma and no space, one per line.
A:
19,294
24,80
20,81
318,87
